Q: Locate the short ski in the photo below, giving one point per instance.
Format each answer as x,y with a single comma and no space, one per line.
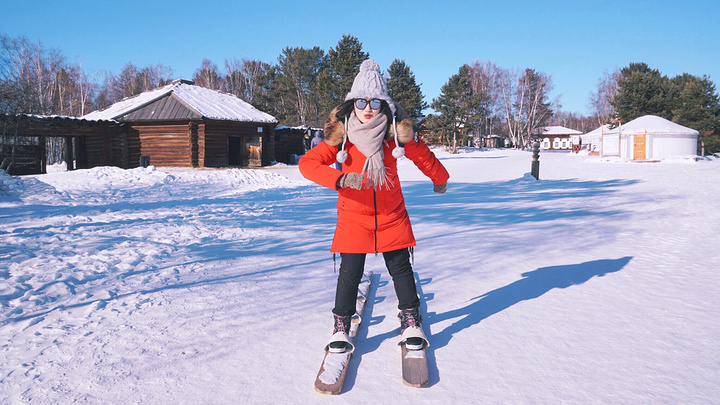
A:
414,362
415,367
334,367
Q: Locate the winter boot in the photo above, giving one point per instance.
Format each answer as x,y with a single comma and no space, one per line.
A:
411,329
340,341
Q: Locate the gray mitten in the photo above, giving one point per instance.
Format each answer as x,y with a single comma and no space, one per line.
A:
352,180
441,188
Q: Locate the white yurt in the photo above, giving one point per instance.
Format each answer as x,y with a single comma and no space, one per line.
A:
591,140
646,138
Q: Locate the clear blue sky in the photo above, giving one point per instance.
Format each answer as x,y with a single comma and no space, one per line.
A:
572,41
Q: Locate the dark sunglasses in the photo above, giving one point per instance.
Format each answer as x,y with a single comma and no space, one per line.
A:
361,103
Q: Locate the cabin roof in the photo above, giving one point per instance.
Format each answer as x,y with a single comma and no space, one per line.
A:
179,100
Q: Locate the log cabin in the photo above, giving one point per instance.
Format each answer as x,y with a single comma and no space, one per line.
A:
182,124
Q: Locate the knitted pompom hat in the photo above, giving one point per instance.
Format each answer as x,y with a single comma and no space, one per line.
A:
370,84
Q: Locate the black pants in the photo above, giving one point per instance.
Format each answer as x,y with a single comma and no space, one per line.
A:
351,271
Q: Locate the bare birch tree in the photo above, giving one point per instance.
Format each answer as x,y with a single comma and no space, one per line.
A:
247,79
208,76
486,78
526,105
607,88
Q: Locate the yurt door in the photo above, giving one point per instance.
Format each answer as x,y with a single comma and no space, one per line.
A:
639,147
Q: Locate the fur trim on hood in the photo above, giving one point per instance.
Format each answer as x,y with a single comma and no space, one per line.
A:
335,128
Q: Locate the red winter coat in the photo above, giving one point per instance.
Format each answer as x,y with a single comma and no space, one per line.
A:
370,220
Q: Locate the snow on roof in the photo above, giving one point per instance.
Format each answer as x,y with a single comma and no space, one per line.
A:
209,103
557,130
299,128
651,124
50,118
595,134
597,131
129,104
655,125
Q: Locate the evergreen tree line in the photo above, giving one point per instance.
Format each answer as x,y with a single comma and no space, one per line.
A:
485,99
639,90
481,99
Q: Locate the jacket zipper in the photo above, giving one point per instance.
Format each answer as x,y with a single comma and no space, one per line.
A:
376,219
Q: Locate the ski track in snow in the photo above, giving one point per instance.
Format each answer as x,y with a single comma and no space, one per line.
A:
597,283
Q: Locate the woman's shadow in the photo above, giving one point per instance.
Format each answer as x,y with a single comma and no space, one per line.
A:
533,284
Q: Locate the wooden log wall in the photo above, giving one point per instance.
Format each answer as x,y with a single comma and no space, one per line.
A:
201,145
108,148
287,143
88,143
216,141
216,134
195,143
194,147
21,159
166,144
268,152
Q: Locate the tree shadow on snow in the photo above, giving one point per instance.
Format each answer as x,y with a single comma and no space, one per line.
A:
533,285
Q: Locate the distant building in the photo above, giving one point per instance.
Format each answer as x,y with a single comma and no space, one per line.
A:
558,138
85,144
186,125
176,125
643,139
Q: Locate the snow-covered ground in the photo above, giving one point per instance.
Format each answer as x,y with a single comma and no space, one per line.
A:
597,284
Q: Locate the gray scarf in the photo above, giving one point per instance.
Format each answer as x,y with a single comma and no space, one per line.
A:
368,138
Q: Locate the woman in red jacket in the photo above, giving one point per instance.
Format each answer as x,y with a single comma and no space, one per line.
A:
366,135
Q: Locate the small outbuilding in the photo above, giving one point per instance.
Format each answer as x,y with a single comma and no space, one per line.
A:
186,125
27,142
492,141
559,138
292,142
646,138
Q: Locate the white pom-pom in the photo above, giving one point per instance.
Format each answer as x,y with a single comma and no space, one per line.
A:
341,156
369,65
398,152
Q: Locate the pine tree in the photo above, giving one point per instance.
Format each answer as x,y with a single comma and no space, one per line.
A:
537,109
403,89
641,91
459,108
339,69
296,84
695,104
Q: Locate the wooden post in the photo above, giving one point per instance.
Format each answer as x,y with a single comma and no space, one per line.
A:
43,154
69,160
535,169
